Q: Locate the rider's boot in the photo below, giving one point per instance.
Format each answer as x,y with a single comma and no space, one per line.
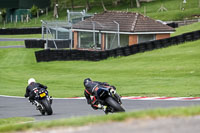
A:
37,105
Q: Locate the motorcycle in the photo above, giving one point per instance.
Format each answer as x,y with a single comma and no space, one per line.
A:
43,101
109,98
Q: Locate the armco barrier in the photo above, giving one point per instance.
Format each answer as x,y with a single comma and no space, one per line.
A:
64,55
20,31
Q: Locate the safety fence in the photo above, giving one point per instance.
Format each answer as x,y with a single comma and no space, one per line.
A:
66,55
19,31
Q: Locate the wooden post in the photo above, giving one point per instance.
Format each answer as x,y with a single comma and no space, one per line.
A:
4,24
27,18
46,11
144,10
16,18
11,18
22,18
38,14
199,3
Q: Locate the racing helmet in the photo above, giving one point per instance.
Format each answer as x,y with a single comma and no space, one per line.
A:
86,80
31,80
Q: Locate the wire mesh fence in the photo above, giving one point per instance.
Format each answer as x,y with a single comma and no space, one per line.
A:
61,30
56,30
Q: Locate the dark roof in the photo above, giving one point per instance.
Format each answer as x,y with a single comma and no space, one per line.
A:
128,22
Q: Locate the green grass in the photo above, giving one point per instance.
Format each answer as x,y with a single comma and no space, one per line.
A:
9,43
173,71
188,28
22,36
14,121
80,121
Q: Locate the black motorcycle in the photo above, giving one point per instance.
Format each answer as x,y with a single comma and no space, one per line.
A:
43,101
109,98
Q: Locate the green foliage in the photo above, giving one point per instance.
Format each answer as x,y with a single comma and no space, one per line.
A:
151,9
3,12
34,9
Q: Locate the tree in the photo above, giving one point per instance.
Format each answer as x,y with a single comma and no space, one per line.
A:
3,14
116,2
88,7
34,9
102,3
138,3
72,3
131,3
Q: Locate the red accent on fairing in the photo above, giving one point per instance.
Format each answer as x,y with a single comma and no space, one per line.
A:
88,92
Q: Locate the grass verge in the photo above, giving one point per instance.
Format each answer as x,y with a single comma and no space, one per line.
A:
187,28
11,43
80,121
172,71
6,122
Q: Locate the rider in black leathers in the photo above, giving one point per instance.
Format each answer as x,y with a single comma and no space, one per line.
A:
32,86
90,87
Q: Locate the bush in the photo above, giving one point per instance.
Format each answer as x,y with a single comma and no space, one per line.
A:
34,9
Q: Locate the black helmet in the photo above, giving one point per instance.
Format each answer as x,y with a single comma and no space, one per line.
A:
86,80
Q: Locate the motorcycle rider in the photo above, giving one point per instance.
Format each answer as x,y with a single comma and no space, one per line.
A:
33,86
90,87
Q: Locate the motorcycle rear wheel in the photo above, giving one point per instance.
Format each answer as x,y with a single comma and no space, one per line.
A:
116,106
47,106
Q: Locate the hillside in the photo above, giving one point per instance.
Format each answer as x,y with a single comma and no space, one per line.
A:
174,10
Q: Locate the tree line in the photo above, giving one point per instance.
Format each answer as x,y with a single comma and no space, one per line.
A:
114,2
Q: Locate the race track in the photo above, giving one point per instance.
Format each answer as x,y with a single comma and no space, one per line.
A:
66,108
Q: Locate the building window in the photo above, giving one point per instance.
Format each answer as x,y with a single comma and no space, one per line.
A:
112,40
124,40
88,40
145,38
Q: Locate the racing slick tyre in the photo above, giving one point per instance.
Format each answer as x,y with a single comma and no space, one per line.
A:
47,106
116,106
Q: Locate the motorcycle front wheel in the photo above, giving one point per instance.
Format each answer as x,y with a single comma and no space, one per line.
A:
116,106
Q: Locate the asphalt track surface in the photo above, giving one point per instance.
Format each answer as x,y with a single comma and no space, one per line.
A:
66,108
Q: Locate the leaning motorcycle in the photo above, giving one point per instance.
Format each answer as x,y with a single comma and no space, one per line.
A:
43,101
109,98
